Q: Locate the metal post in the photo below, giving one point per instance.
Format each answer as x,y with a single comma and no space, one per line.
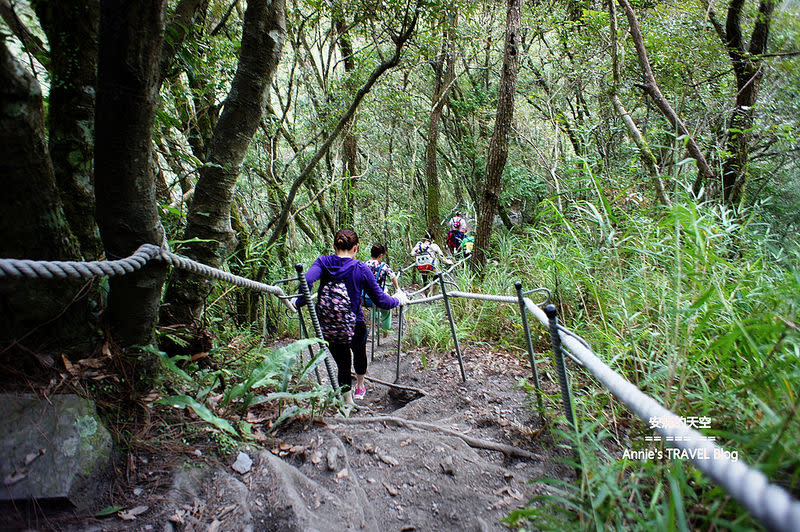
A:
561,370
524,312
372,328
379,324
452,327
304,334
563,380
312,312
399,342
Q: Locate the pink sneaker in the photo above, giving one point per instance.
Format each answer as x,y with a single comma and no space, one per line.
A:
360,392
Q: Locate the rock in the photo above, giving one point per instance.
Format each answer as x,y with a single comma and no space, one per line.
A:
447,466
243,464
334,462
53,449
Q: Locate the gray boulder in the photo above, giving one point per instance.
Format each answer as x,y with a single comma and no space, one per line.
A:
52,449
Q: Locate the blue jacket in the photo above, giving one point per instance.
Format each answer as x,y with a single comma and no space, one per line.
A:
356,276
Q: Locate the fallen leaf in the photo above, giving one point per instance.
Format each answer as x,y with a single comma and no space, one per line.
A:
130,515
95,363
392,491
252,417
285,446
343,473
108,510
16,476
387,459
33,456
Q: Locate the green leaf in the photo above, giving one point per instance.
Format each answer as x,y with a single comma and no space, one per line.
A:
108,510
184,401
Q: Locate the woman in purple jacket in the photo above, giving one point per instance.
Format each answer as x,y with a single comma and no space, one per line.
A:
357,277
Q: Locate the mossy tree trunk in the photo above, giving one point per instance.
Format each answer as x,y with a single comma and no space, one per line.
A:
33,223
131,36
72,30
209,217
498,145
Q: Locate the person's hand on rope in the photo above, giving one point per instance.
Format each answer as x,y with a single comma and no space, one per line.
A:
402,297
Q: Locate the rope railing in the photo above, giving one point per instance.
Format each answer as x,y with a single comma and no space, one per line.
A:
769,503
55,269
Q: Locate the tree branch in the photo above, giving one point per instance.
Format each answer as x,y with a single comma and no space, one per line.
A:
651,87
400,42
31,42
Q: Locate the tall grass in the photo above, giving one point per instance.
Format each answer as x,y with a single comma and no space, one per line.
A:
695,306
699,309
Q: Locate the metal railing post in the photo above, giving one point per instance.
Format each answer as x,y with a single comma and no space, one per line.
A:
312,312
563,378
526,328
372,331
379,325
304,334
561,369
399,342
452,327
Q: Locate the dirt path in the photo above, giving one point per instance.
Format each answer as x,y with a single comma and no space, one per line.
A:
397,464
390,475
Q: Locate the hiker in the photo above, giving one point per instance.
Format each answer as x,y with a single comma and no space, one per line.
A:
457,223
382,271
343,279
425,253
467,243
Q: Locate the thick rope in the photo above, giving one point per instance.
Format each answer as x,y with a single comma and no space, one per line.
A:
18,268
768,503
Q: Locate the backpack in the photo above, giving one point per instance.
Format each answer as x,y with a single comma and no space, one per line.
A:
377,273
426,261
335,312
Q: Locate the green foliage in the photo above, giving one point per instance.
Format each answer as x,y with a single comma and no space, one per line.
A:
278,372
699,309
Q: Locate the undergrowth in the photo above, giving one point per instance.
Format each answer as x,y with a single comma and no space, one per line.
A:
699,309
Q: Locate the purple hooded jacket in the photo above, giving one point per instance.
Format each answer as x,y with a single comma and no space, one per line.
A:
356,276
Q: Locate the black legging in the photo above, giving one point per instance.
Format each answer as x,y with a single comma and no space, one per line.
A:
341,354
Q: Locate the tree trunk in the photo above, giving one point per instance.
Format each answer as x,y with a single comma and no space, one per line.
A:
747,69
209,215
131,35
350,141
445,73
651,88
645,153
498,145
72,28
33,225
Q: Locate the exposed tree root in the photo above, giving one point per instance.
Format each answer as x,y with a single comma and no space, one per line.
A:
509,450
396,386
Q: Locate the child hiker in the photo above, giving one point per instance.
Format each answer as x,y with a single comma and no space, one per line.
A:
343,278
382,271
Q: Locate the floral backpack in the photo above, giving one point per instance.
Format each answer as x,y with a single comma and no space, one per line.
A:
335,312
